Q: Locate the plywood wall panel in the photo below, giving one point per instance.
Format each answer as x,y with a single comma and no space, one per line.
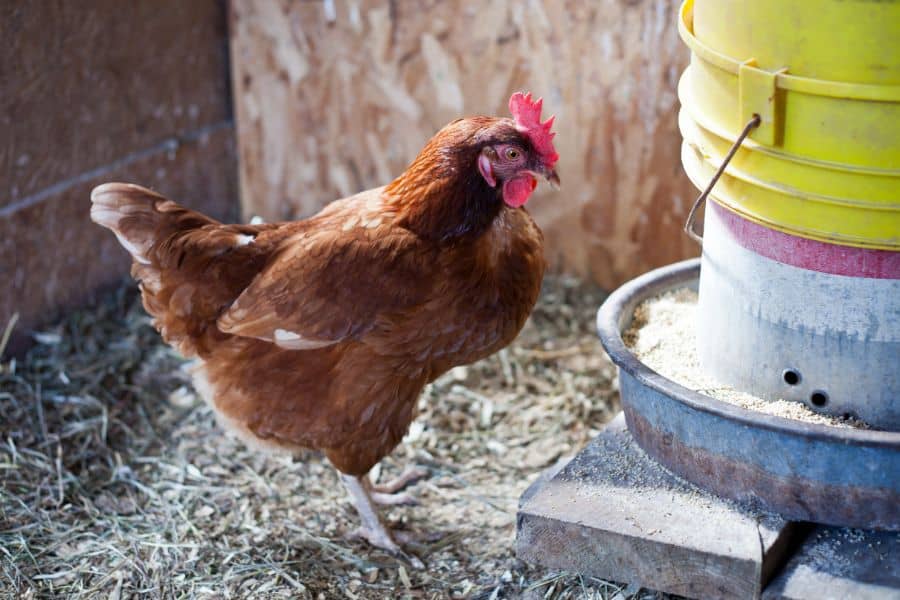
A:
334,97
93,92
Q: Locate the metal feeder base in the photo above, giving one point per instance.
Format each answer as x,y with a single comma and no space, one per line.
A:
803,471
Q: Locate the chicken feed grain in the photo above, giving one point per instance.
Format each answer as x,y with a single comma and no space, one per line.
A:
663,336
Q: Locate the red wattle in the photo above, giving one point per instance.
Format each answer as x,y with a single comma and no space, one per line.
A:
517,190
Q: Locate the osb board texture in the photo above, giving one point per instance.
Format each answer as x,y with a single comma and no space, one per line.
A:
85,83
329,102
95,92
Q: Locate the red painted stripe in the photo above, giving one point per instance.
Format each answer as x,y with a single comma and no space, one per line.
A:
809,254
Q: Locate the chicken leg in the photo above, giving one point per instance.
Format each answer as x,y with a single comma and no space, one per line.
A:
372,528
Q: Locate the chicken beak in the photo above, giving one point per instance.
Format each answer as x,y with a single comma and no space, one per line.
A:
552,178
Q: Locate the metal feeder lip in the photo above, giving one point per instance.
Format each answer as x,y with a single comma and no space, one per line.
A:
803,471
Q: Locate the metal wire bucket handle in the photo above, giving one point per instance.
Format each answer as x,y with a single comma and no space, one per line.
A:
689,225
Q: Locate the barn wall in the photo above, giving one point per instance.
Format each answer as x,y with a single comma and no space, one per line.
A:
334,97
99,91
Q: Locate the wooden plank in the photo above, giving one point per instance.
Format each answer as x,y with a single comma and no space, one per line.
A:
53,257
87,83
335,97
614,513
93,92
837,564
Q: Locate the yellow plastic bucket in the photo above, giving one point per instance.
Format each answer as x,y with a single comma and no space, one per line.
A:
825,78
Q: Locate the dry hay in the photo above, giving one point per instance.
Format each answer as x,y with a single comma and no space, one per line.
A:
116,481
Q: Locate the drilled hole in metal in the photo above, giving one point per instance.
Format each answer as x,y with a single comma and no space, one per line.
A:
791,377
818,398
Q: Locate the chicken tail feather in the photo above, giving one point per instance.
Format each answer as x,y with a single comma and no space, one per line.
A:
139,217
173,249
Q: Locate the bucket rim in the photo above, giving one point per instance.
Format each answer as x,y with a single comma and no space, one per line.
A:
688,105
733,171
784,81
844,239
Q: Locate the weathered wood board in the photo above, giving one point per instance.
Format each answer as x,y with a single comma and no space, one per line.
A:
99,92
337,96
614,513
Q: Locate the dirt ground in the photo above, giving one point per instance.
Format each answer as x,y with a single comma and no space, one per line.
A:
116,482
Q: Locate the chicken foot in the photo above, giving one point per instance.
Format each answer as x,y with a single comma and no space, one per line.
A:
372,528
409,476
399,499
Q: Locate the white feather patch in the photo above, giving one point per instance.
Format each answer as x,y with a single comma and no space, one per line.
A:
283,335
294,341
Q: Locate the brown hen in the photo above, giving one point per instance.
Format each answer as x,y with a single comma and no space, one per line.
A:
321,333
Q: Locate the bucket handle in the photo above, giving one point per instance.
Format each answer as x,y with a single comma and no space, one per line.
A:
689,225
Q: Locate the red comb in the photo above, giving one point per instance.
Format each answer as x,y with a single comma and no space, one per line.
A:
527,115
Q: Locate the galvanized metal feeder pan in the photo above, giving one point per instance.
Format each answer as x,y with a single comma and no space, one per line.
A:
803,471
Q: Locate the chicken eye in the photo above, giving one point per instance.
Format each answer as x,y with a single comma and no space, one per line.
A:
512,154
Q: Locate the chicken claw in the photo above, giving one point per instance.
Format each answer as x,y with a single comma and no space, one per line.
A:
409,476
401,499
377,539
372,529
